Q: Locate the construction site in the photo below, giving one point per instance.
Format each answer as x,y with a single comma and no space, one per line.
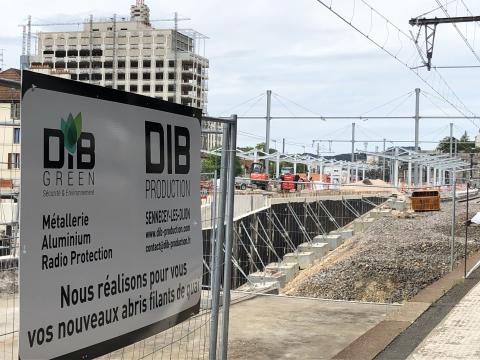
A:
359,240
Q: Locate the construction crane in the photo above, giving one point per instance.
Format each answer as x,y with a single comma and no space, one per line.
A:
430,26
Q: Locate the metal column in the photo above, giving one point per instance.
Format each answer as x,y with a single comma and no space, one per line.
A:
384,159
353,142
267,134
417,129
217,268
454,219
451,139
228,241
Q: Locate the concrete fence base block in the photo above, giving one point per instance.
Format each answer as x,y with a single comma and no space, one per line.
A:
319,249
398,205
358,226
385,212
346,233
303,259
374,213
367,222
333,241
319,238
289,269
262,277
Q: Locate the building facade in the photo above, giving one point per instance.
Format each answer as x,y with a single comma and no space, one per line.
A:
10,132
131,55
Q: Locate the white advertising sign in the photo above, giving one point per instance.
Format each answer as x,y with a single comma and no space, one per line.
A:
111,243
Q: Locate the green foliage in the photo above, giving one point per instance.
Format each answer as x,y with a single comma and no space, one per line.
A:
211,164
464,144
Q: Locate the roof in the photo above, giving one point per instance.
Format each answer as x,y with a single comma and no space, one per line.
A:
7,94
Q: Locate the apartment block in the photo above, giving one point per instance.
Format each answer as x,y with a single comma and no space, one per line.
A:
131,55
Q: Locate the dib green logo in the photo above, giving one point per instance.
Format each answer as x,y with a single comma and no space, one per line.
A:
71,129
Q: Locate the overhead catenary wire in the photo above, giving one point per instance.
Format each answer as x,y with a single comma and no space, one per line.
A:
387,103
434,104
227,111
397,58
299,105
465,40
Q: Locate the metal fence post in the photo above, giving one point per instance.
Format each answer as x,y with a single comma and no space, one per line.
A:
454,219
228,241
219,245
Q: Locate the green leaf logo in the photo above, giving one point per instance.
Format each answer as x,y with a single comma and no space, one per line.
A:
72,129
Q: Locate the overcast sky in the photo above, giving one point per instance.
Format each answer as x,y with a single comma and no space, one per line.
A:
307,56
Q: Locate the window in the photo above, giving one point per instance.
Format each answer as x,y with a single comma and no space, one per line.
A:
121,64
159,63
171,88
146,63
97,52
171,63
60,53
13,160
121,87
146,76
16,135
133,88
133,76
121,76
96,76
15,111
146,88
171,76
83,77
74,77
158,88
159,76
133,63
108,76
108,64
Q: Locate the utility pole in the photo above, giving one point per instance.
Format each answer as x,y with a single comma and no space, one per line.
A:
451,139
417,130
283,146
384,150
267,134
353,142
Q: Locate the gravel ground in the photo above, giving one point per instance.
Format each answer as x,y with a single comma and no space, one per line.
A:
391,261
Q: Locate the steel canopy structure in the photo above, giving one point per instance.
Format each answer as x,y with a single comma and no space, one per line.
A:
317,164
432,167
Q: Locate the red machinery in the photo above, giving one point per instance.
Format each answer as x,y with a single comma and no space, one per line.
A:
258,176
287,179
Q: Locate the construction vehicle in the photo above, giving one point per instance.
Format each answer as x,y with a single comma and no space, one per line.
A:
258,176
287,179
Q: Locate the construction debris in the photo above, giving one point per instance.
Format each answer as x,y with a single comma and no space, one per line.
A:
392,260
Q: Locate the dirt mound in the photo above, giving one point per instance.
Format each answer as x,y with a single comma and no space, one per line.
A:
369,185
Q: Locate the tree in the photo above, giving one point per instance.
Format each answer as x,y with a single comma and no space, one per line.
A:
464,144
212,163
